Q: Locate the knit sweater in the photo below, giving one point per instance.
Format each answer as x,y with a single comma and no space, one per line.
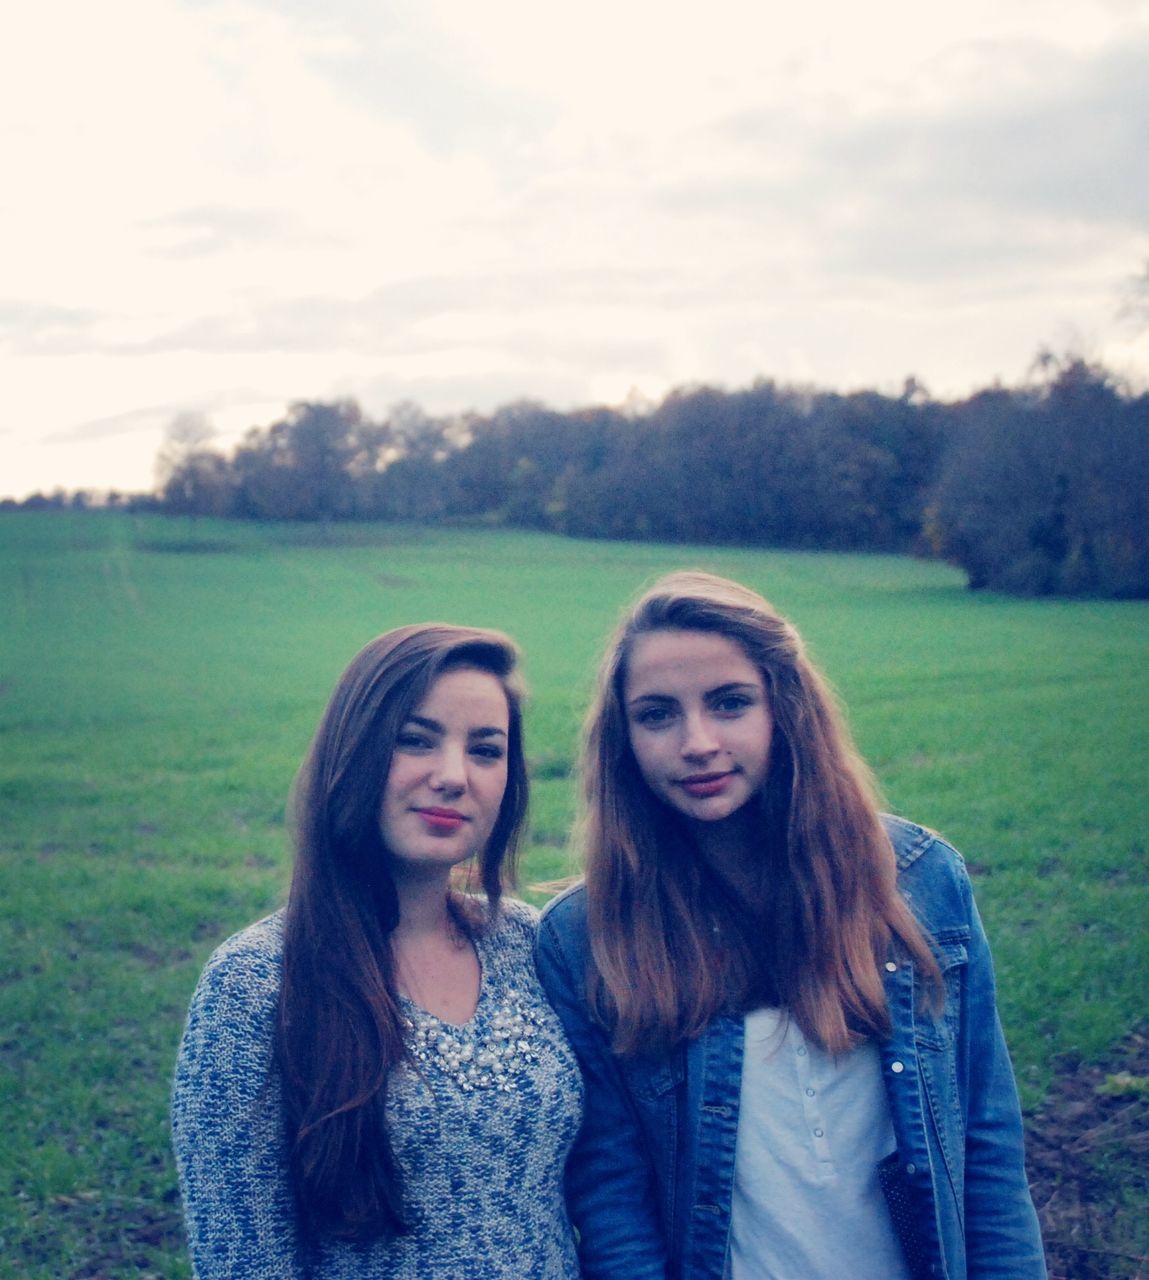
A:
480,1120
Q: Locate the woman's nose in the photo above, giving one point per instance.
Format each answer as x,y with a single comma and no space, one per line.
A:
698,738
450,770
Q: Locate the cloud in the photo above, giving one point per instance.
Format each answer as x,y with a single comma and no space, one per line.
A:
36,327
144,420
1059,145
206,230
397,62
1029,159
414,315
131,422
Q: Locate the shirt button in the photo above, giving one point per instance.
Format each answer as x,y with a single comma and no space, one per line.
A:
801,1051
891,967
809,1093
818,1133
897,1067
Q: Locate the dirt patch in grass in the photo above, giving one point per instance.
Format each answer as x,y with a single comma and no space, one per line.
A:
146,1237
85,1237
1088,1153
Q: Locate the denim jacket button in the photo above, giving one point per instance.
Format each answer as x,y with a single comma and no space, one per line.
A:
891,967
911,1168
897,1067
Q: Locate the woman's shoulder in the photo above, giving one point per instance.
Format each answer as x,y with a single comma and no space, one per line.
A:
915,844
230,1024
247,966
513,924
913,841
932,874
567,908
506,943
256,945
520,914
564,937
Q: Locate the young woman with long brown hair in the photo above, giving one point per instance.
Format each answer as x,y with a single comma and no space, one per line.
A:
371,1083
782,1000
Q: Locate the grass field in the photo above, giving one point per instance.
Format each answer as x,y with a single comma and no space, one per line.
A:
159,682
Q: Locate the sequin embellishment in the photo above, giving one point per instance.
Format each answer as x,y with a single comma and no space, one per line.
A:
491,1058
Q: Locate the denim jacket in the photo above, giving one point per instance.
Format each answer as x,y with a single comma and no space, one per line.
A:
650,1179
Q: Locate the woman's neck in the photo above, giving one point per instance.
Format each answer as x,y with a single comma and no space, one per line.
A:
729,846
424,907
436,965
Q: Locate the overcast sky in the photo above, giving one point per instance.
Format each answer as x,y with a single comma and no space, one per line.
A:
225,206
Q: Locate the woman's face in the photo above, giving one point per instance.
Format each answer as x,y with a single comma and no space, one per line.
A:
448,773
699,721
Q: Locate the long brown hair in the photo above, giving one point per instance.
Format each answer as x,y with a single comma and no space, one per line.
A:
673,941
340,1027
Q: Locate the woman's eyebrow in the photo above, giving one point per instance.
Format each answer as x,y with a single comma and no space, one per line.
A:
730,687
434,726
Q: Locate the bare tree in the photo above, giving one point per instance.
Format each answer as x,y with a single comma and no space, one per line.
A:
1135,303
188,434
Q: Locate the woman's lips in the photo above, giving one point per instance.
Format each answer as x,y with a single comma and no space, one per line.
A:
702,785
442,819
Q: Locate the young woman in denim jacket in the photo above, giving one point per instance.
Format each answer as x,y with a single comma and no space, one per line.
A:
782,1001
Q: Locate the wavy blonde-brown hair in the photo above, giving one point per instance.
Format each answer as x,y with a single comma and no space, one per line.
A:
673,941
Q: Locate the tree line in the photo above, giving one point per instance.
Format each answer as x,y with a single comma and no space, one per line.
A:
1041,489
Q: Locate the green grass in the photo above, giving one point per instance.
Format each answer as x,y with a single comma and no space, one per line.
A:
159,682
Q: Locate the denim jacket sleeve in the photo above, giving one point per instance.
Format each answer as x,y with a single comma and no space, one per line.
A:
611,1193
1003,1240
987,1228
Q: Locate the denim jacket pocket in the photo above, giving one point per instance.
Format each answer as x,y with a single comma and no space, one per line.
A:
937,1029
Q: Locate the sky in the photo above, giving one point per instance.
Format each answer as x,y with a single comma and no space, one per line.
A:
221,207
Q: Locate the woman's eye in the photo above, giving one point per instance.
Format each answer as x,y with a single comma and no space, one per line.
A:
732,704
653,717
408,741
488,752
